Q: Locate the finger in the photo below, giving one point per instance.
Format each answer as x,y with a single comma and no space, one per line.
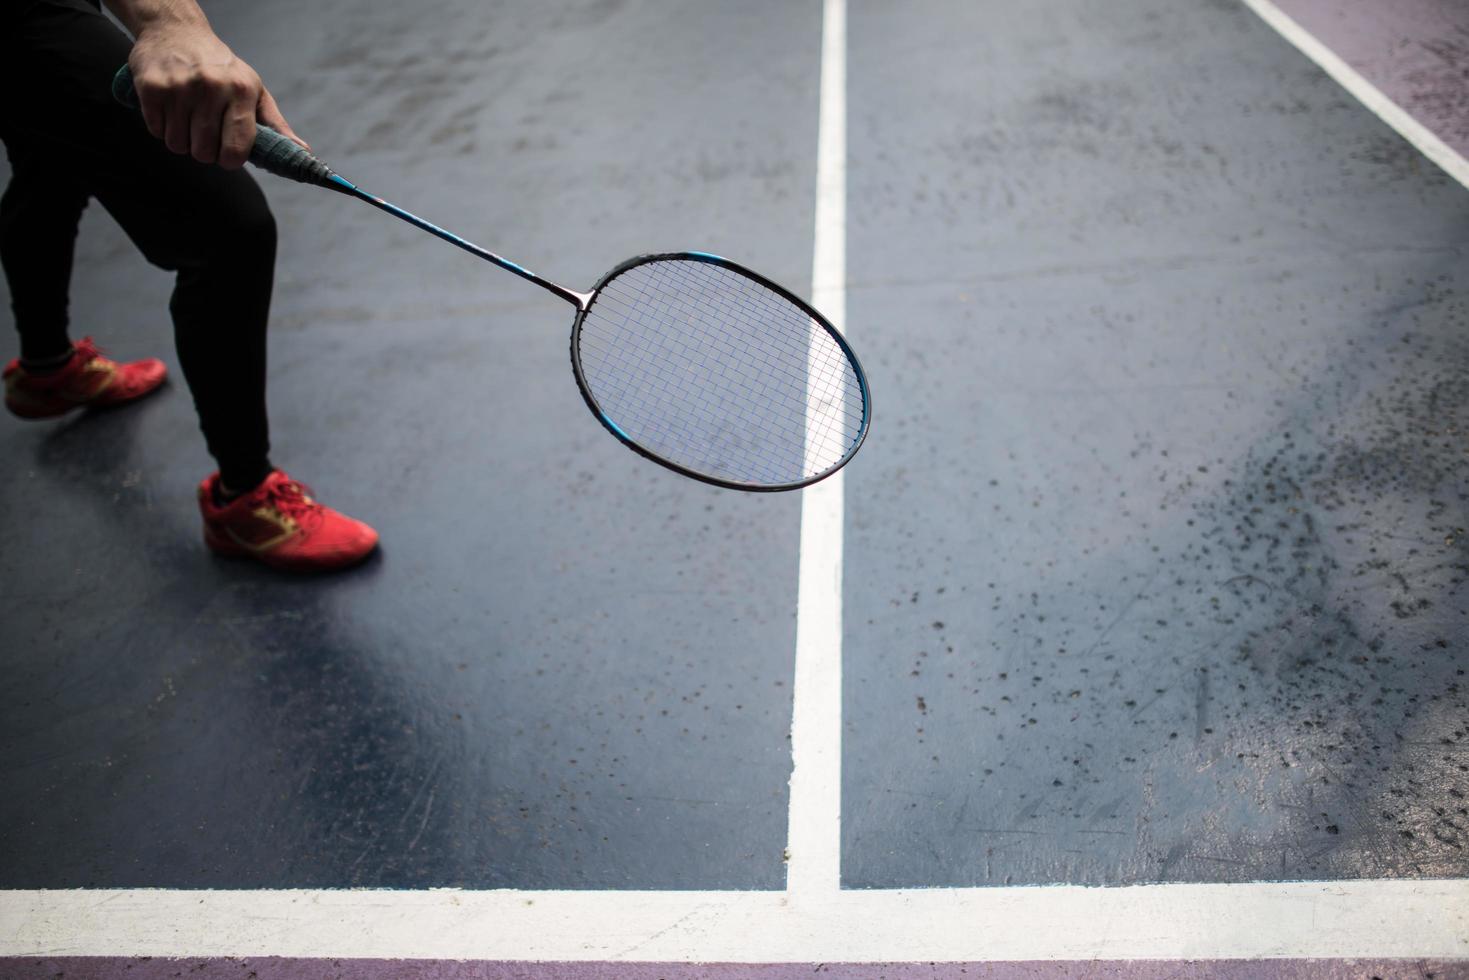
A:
151,104
204,130
238,136
270,114
150,97
176,129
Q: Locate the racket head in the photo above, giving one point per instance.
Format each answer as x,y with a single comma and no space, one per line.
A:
693,410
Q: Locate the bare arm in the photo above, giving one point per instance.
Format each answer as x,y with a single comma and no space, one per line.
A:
196,95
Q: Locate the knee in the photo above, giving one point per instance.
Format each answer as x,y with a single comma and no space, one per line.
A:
232,245
234,248
232,225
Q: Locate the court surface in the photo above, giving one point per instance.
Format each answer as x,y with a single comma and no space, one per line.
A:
1133,643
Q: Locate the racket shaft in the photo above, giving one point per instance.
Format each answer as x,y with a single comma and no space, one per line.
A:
579,300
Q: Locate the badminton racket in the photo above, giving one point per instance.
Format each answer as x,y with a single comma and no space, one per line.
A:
693,361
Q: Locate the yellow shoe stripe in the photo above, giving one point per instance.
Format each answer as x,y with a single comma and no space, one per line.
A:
288,528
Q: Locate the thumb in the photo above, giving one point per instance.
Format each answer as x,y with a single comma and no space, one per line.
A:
269,113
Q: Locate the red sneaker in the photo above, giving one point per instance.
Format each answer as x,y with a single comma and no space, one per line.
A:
88,379
279,524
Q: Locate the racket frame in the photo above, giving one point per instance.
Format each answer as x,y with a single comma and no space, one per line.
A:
607,423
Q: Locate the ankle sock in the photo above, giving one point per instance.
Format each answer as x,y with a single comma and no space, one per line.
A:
224,494
42,366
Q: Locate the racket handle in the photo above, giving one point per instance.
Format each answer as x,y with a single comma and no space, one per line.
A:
272,151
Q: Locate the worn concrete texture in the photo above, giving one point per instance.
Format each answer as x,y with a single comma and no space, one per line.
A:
1157,560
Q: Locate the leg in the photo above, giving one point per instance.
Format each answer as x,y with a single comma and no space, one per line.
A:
220,304
39,214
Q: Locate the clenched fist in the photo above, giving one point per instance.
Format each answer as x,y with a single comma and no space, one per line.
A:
195,94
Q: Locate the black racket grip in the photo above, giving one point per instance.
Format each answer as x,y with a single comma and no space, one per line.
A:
272,151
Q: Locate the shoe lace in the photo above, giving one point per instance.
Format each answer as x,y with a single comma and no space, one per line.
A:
86,349
292,499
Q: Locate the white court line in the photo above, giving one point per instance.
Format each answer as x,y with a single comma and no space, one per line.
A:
814,920
1428,919
814,839
1365,92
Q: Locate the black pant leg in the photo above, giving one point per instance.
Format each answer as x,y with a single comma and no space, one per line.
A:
39,214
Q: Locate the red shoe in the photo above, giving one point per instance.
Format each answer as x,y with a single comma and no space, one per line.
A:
88,379
279,524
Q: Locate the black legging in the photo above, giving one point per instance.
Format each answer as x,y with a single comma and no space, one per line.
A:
68,141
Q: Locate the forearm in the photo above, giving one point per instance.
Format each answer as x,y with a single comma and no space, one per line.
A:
141,15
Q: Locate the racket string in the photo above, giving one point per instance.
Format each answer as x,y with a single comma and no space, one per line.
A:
719,374
787,354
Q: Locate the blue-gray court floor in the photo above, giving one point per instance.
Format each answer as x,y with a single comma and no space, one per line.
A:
1154,563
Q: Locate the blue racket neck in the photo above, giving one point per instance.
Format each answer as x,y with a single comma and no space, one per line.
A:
579,300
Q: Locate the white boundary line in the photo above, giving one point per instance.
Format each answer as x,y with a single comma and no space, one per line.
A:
1364,919
813,850
814,920
1365,92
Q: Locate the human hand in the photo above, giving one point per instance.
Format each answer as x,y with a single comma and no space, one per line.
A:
198,97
